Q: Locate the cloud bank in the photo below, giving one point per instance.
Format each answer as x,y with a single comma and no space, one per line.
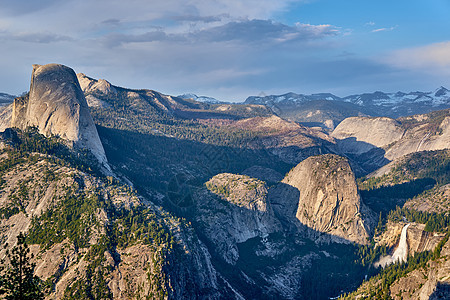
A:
228,49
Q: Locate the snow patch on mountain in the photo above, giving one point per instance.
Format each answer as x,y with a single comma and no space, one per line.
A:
204,99
378,103
6,99
440,96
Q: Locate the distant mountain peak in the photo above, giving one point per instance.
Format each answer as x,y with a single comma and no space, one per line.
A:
441,91
6,99
203,99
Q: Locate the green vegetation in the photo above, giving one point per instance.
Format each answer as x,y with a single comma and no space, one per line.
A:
429,165
80,217
152,139
72,218
415,174
148,114
378,286
17,279
17,202
152,161
434,222
139,224
237,189
432,121
92,287
369,254
23,145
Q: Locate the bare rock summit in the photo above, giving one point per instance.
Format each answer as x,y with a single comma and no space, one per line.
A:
56,106
329,200
357,135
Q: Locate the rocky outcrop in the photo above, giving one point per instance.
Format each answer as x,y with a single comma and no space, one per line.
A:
5,117
56,106
329,200
374,142
289,141
425,136
89,85
431,282
357,135
234,209
417,238
101,93
165,261
436,200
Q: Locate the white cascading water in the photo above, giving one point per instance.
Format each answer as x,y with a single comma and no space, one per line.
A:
400,254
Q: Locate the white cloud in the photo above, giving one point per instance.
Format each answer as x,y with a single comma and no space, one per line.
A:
173,46
245,32
384,29
433,59
318,30
37,37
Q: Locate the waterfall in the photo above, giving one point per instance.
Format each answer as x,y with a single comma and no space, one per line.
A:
400,254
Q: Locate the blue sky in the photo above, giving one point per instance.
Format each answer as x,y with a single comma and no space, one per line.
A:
232,49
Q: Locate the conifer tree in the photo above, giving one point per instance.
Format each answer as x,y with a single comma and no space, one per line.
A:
17,279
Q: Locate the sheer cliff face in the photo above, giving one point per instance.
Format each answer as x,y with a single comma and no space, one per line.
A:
234,209
56,106
329,201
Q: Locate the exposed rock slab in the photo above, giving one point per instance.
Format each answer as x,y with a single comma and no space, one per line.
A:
431,282
234,209
329,200
5,117
374,142
361,134
56,106
418,239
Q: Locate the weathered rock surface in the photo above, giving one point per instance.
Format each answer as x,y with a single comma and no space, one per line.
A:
146,268
426,136
89,85
431,282
357,135
56,106
329,200
288,140
374,142
101,93
417,238
234,209
5,117
436,200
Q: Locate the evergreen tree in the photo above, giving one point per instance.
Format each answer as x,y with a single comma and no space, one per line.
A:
17,279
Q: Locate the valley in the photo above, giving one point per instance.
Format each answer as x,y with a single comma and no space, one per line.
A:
134,194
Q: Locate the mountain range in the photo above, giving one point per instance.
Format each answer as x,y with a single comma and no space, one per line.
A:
327,110
131,194
204,99
6,98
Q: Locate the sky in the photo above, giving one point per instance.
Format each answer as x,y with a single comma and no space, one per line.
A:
232,49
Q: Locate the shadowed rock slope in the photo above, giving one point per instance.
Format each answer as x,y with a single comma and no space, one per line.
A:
95,238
